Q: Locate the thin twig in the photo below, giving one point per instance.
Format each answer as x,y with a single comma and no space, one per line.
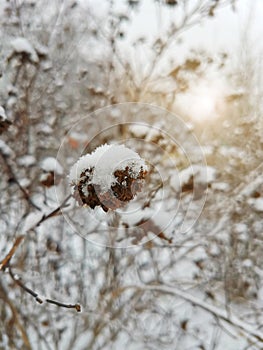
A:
4,263
77,307
54,212
19,282
15,180
15,317
221,314
11,252
152,194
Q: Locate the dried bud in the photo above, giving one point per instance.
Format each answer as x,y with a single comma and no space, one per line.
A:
109,177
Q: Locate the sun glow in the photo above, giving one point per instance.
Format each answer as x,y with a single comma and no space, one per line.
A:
203,102
204,106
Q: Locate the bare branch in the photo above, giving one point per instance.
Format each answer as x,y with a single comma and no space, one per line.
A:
54,212
4,263
15,316
219,313
77,307
40,300
12,177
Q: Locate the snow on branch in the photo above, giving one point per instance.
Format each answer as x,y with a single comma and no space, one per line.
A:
4,263
250,331
39,299
4,122
23,46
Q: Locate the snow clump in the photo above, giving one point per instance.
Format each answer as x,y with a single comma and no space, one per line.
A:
2,113
52,172
23,46
51,164
108,177
4,122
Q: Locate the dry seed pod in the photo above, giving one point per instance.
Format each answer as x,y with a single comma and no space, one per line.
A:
109,177
52,172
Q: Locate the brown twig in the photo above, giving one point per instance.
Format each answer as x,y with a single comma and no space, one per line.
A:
77,307
152,194
15,180
15,317
19,282
221,314
4,263
54,212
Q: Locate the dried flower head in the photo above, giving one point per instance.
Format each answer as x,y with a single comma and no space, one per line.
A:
52,172
109,177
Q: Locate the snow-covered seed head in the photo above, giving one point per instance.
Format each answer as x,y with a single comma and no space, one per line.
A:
52,172
108,177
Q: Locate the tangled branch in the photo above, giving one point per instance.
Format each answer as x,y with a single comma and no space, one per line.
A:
40,300
215,311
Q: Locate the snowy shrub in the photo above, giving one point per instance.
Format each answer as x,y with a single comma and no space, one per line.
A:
108,177
51,172
4,122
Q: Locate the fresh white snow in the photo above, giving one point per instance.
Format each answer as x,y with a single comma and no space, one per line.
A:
139,130
50,164
26,161
2,113
258,204
201,175
104,161
31,220
22,45
5,149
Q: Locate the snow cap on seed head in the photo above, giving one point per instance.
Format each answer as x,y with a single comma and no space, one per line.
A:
110,170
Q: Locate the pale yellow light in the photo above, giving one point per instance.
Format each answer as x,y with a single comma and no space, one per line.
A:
203,102
203,106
